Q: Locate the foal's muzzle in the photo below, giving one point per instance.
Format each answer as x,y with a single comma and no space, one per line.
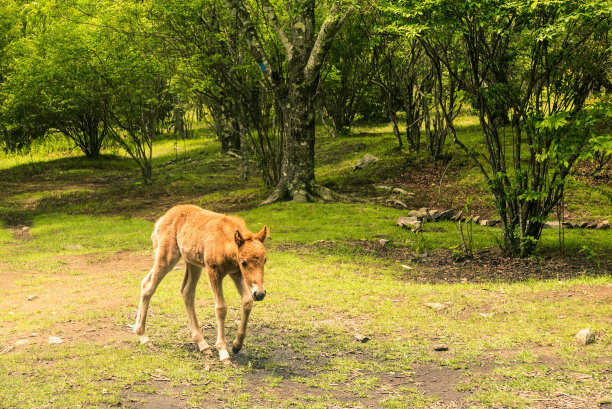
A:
259,295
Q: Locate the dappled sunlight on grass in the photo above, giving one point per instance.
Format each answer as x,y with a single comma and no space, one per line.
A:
76,234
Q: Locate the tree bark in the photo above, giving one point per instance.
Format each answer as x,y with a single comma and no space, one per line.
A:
305,53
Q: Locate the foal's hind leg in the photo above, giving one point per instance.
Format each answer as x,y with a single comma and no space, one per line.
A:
188,290
164,262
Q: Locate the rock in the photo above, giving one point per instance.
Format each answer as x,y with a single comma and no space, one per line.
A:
32,297
447,215
486,314
403,221
361,338
556,225
437,306
21,342
397,203
582,225
33,335
591,225
434,214
440,347
366,161
457,216
606,400
551,225
605,225
74,247
401,191
384,187
326,194
476,219
413,213
409,222
488,223
406,267
585,336
423,214
383,242
300,196
55,340
25,228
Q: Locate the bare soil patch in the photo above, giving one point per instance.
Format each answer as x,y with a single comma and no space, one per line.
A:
119,262
429,379
72,285
441,382
434,185
165,396
486,264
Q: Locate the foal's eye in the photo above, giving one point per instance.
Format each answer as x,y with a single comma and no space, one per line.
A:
265,259
244,264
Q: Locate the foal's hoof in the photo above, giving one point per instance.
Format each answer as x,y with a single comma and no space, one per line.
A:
236,349
144,340
228,363
207,351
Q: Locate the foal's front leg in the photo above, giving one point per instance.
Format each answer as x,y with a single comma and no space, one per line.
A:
188,290
247,306
216,284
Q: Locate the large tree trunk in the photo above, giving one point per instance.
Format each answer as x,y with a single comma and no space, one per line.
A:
297,166
305,52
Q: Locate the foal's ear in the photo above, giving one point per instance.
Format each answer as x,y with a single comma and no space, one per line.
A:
263,234
238,238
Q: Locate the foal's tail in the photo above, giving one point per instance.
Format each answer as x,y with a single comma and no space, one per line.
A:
155,234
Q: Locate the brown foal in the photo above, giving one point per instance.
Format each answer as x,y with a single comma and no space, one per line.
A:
221,244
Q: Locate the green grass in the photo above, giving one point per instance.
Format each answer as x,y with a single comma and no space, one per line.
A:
89,225
350,295
53,232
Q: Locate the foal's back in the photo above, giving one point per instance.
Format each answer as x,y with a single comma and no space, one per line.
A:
198,234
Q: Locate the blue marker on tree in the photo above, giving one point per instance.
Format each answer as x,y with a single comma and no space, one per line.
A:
262,66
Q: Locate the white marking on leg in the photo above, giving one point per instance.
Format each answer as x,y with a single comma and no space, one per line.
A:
223,355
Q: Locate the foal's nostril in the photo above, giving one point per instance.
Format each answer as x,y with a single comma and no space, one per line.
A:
259,296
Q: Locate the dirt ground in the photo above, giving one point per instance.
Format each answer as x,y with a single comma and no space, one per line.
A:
438,267
486,265
429,379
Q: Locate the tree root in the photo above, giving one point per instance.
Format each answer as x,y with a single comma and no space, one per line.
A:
317,194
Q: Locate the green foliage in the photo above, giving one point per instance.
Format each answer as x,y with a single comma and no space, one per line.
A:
55,84
345,88
81,76
533,66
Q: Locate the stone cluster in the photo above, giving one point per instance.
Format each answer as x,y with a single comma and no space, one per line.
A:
416,218
604,225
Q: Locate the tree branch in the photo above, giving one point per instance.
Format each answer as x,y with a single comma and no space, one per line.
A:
253,41
324,40
271,14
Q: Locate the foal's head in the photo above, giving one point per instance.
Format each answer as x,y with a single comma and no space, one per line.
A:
251,259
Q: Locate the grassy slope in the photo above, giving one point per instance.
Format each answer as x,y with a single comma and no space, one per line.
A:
300,351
